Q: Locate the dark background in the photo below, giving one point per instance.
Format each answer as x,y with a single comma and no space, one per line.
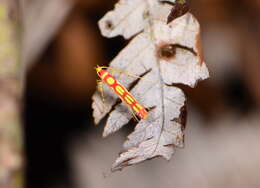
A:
58,112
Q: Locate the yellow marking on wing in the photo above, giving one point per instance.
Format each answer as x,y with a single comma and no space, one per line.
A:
111,81
136,109
129,99
139,106
120,90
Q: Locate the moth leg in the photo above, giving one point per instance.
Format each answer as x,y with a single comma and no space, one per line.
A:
130,75
101,89
123,72
133,114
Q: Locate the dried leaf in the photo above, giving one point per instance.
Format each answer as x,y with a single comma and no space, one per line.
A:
163,55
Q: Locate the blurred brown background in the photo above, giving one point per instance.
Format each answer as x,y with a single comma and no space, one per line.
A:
64,149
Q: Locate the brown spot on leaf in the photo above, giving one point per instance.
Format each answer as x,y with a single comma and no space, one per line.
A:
168,51
109,25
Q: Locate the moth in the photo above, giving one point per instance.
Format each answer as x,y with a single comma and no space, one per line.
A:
121,92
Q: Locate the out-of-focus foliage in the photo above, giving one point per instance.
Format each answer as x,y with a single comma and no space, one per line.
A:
11,144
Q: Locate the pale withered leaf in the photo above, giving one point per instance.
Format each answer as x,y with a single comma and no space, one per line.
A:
132,16
163,55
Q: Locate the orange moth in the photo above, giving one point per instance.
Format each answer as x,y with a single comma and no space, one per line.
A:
122,92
